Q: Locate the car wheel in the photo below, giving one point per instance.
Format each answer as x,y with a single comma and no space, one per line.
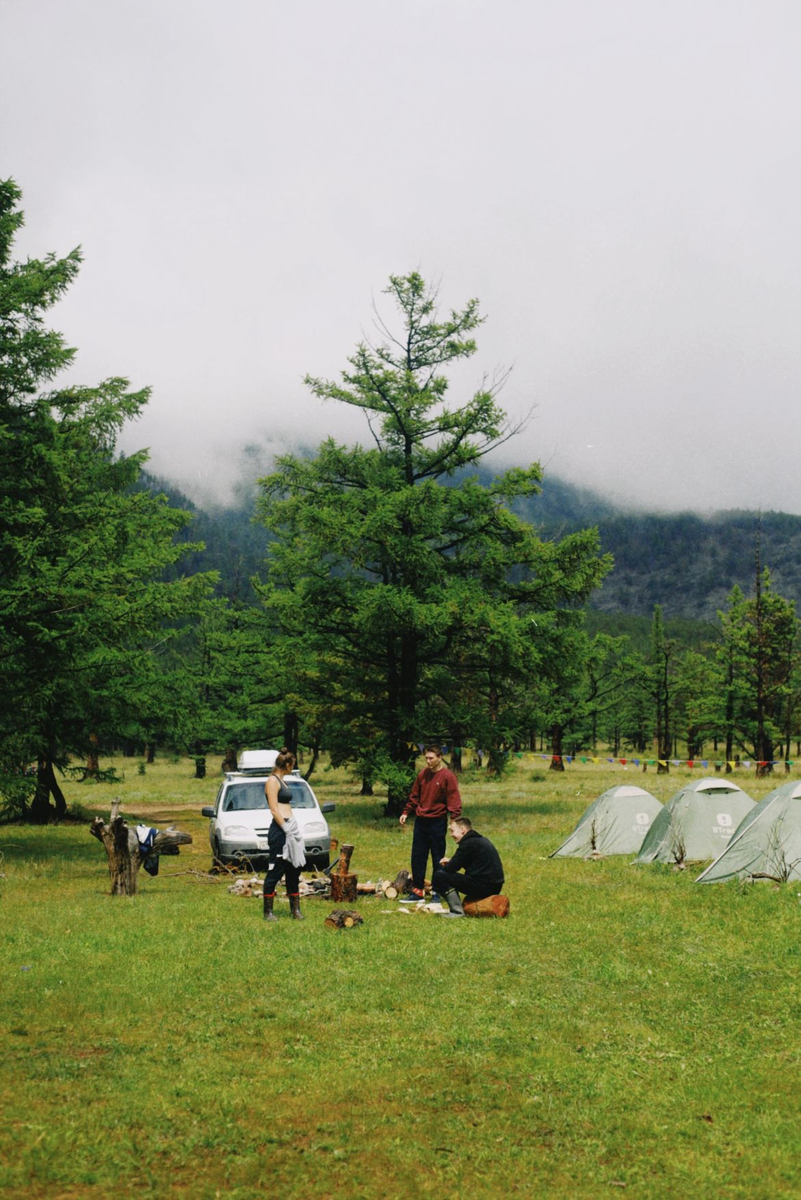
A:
217,859
321,862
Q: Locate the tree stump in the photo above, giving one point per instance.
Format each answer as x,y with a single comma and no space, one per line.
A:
125,856
343,918
343,884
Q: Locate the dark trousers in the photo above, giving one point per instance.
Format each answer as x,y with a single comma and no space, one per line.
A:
473,889
428,838
276,840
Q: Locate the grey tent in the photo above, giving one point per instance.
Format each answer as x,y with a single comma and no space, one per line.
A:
766,843
615,823
696,823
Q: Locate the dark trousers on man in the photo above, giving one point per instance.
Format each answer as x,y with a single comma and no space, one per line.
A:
428,838
473,889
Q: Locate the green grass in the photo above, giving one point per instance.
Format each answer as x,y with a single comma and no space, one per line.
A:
621,1028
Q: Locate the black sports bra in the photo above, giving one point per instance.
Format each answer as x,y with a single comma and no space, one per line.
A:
284,793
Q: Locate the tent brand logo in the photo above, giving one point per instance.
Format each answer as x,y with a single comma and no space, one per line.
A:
724,825
642,819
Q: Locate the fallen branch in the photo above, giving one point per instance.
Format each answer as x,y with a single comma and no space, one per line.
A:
202,875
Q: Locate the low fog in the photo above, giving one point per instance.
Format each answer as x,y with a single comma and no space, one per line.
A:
618,184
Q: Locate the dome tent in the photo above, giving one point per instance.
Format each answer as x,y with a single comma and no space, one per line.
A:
696,823
767,842
615,823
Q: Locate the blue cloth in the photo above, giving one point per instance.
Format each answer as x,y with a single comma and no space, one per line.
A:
147,836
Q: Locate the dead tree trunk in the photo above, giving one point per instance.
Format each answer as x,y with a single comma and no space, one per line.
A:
124,853
343,884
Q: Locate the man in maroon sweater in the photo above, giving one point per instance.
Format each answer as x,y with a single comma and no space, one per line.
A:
434,800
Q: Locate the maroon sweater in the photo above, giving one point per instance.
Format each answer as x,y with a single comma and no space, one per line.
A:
434,794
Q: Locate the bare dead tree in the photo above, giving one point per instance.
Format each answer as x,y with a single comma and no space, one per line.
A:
125,855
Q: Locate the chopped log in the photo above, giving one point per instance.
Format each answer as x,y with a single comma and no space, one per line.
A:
344,888
366,889
492,906
390,892
125,856
400,883
343,918
334,846
343,883
345,854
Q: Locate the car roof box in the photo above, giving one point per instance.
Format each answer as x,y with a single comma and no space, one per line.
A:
257,760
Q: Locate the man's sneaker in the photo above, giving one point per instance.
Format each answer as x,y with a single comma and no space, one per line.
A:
435,897
413,897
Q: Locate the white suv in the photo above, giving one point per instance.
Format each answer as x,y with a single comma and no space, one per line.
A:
241,816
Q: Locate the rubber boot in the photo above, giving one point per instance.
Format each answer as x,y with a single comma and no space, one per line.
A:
269,915
451,898
294,908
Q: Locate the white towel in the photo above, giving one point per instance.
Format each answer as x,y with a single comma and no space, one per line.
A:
294,850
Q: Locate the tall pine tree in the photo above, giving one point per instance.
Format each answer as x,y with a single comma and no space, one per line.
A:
399,583
82,599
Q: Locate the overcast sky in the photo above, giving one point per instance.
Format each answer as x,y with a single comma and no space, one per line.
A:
617,181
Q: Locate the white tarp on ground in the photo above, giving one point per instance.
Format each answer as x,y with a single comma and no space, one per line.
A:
766,843
696,823
615,823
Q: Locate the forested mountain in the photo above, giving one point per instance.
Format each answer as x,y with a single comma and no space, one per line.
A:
235,545
685,562
689,564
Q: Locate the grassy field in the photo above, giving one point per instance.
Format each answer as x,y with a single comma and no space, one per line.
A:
622,1031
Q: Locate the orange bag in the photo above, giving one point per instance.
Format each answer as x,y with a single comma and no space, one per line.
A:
491,906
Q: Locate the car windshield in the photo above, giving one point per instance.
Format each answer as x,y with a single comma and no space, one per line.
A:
243,797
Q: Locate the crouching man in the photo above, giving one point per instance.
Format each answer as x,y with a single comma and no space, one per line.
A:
475,869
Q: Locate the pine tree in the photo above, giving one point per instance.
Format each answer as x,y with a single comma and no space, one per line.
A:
400,584
83,602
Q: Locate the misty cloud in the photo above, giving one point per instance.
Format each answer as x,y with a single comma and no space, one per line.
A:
618,183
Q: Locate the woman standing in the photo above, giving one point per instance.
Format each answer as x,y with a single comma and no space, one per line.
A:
284,826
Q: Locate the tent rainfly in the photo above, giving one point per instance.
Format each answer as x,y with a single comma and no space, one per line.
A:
696,823
767,842
615,823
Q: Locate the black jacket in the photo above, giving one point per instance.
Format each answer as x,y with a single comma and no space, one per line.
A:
478,858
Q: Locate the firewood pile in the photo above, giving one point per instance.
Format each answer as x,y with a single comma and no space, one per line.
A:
246,887
319,886
340,885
